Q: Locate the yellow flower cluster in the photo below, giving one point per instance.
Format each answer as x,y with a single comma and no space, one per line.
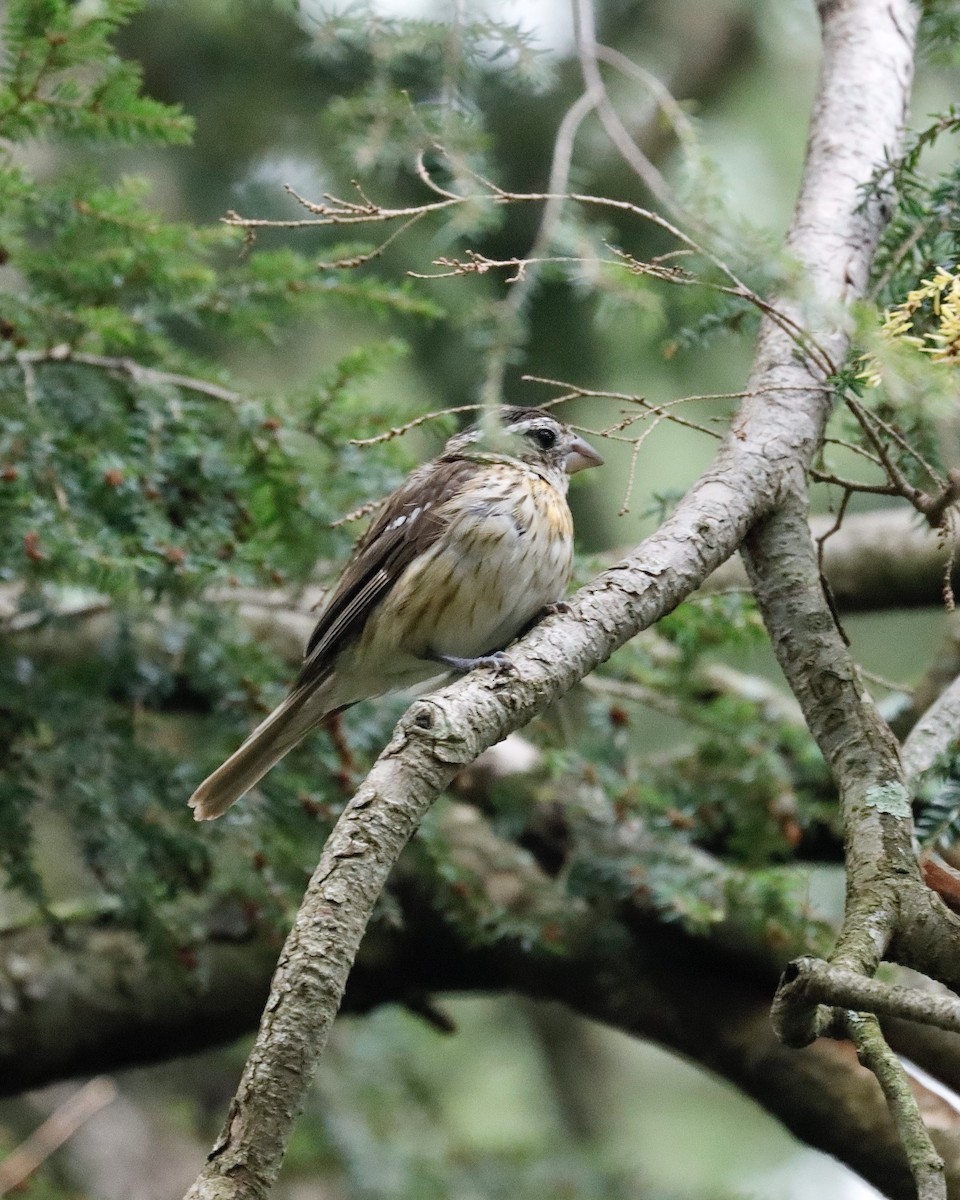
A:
935,303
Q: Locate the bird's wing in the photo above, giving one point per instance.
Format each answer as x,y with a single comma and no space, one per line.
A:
408,524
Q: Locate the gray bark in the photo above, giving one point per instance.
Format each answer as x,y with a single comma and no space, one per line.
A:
864,85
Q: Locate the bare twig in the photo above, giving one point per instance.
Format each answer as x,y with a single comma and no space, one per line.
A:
361,260
573,391
869,422
614,128
396,431
658,413
926,1165
662,96
425,177
336,211
854,485
28,359
491,392
934,508
903,250
62,1124
854,448
828,533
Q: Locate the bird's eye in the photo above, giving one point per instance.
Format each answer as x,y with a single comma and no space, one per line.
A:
546,439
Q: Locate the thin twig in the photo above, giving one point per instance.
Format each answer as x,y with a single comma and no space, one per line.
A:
854,449
343,212
634,458
336,211
125,366
868,420
663,97
824,581
357,514
614,128
512,308
891,685
926,1165
426,178
66,1119
936,508
399,430
902,251
834,528
948,532
574,391
637,693
854,485
360,260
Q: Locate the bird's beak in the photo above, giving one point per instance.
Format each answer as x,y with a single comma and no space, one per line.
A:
580,456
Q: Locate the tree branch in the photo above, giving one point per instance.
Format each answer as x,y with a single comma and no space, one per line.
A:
934,734
865,80
621,967
927,1166
137,372
882,559
84,996
888,908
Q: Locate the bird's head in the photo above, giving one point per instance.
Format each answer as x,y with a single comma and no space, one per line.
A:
532,435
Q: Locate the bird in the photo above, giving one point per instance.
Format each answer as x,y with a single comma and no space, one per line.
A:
468,553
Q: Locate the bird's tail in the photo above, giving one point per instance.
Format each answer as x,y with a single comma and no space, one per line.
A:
287,725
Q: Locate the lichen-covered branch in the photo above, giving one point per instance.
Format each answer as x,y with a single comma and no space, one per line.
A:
855,741
927,1166
889,912
624,968
828,983
868,54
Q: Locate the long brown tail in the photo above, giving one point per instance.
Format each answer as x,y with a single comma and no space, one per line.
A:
287,725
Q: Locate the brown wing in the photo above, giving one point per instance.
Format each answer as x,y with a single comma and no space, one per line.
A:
408,524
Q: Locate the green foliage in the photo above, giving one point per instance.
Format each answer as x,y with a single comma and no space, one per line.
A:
61,75
704,622
923,230
166,434
379,1126
902,369
133,467
413,83
940,29
937,813
746,781
729,315
137,467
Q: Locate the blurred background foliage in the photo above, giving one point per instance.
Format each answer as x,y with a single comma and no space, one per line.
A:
177,403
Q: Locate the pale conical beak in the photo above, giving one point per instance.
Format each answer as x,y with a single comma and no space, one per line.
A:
580,456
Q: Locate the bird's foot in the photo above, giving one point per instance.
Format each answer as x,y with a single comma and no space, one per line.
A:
498,661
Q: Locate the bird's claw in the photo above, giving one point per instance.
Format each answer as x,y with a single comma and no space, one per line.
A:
499,662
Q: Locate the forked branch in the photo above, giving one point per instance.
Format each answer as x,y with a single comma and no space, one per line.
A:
759,469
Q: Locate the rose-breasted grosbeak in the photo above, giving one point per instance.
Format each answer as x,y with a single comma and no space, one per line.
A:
462,558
